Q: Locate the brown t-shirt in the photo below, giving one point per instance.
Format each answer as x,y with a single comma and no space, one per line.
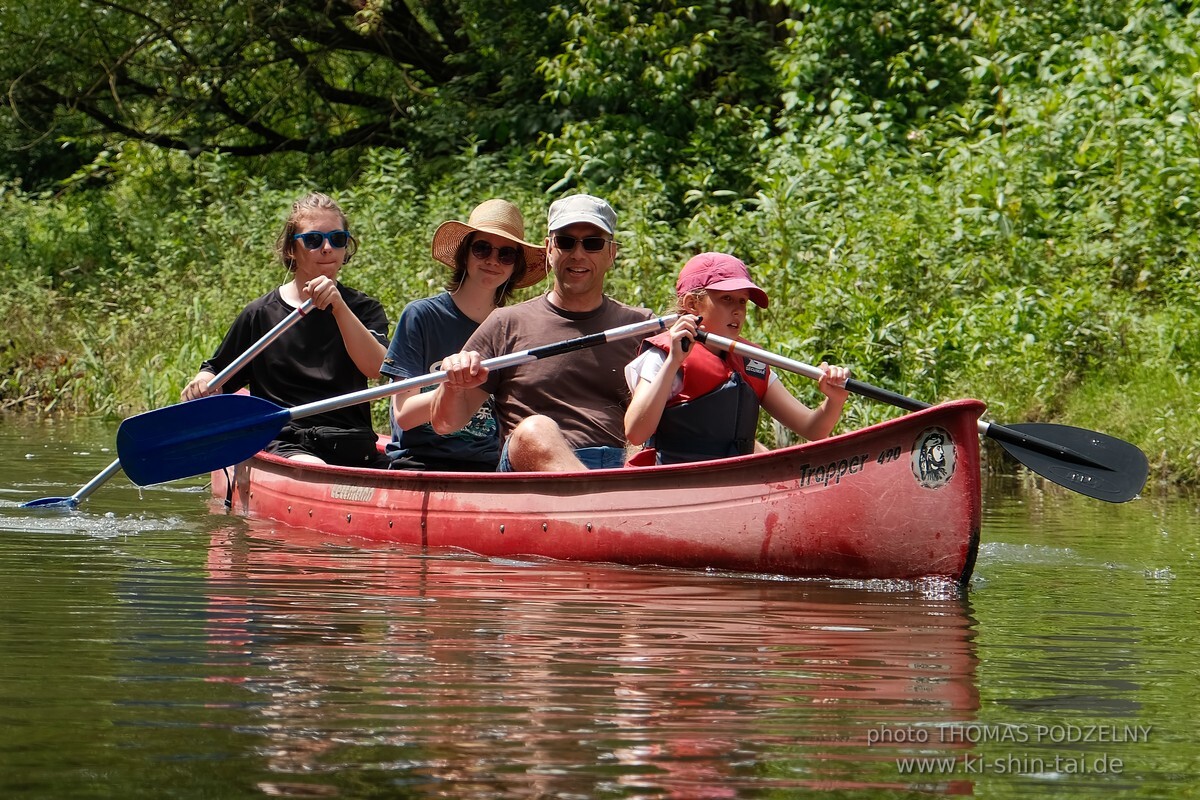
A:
583,391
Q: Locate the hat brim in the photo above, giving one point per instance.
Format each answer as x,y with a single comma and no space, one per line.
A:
450,235
757,295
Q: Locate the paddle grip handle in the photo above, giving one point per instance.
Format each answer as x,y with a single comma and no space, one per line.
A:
885,396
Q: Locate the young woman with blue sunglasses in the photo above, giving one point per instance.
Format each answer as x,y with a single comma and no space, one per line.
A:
336,350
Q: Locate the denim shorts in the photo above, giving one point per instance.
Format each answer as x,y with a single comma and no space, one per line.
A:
592,458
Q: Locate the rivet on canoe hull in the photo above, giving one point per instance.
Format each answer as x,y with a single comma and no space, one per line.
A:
502,529
289,509
589,527
391,523
544,527
347,518
310,512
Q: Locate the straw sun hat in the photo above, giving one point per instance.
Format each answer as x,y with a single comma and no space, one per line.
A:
498,217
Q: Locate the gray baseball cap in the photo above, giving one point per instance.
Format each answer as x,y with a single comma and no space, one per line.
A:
581,208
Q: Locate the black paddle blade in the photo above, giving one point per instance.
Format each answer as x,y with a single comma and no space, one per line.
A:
196,437
1114,470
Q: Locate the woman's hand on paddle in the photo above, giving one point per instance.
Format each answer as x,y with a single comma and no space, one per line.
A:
464,370
833,383
324,293
198,386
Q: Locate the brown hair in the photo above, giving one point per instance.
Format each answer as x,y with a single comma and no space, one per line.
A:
504,291
313,201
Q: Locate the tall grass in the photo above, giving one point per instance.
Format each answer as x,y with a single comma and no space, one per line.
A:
1033,243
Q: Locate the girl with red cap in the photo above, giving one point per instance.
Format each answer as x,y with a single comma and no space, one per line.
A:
700,403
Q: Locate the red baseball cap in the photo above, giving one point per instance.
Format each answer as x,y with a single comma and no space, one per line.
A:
720,272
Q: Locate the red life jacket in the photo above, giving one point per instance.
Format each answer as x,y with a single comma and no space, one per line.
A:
715,414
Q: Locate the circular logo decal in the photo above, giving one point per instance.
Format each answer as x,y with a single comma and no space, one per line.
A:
933,458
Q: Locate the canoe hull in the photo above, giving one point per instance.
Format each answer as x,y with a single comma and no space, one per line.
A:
897,500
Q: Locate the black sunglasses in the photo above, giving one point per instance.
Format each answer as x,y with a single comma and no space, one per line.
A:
312,239
482,250
592,244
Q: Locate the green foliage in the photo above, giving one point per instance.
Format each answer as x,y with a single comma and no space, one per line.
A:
990,200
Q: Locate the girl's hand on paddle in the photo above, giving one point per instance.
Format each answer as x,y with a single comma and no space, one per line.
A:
683,336
324,293
833,383
198,387
464,370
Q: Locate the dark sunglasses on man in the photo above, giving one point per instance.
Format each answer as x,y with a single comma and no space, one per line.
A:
566,243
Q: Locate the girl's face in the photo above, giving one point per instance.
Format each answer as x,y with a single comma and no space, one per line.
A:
496,267
724,312
324,260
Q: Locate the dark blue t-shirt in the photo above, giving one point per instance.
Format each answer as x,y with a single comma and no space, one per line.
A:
429,330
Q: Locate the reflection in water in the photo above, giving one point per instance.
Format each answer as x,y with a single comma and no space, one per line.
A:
140,655
459,675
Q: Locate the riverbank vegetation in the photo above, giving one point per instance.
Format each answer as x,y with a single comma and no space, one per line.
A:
989,201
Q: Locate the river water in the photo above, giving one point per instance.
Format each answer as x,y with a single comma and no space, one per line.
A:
152,646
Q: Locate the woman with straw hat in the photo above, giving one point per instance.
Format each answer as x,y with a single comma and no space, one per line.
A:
490,260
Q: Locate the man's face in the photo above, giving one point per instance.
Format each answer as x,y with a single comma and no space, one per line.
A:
578,271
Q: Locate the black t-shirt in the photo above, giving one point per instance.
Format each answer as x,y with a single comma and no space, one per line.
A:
307,363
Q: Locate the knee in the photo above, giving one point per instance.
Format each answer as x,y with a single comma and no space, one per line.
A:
534,434
536,444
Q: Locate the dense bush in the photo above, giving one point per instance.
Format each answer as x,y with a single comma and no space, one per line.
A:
951,201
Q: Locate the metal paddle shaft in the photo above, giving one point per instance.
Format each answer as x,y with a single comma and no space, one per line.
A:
217,382
1088,462
214,432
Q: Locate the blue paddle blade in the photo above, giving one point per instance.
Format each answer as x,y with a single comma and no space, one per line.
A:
196,437
51,502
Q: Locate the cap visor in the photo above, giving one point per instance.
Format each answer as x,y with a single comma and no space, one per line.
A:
757,295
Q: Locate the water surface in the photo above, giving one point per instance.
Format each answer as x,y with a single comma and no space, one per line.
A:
153,646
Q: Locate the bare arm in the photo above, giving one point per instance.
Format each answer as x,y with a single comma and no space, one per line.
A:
412,408
811,423
457,400
365,350
650,397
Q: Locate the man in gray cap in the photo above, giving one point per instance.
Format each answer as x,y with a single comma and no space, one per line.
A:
558,414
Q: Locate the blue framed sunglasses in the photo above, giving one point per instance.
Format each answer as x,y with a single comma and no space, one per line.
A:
312,240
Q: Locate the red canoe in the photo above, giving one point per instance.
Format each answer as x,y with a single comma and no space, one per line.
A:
896,500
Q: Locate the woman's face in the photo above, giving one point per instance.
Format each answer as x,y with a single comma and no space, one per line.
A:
324,260
490,271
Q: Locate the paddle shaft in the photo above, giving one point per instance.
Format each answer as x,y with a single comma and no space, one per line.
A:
217,382
990,429
214,432
499,362
267,338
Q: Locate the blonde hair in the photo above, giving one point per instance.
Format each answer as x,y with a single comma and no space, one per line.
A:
681,300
